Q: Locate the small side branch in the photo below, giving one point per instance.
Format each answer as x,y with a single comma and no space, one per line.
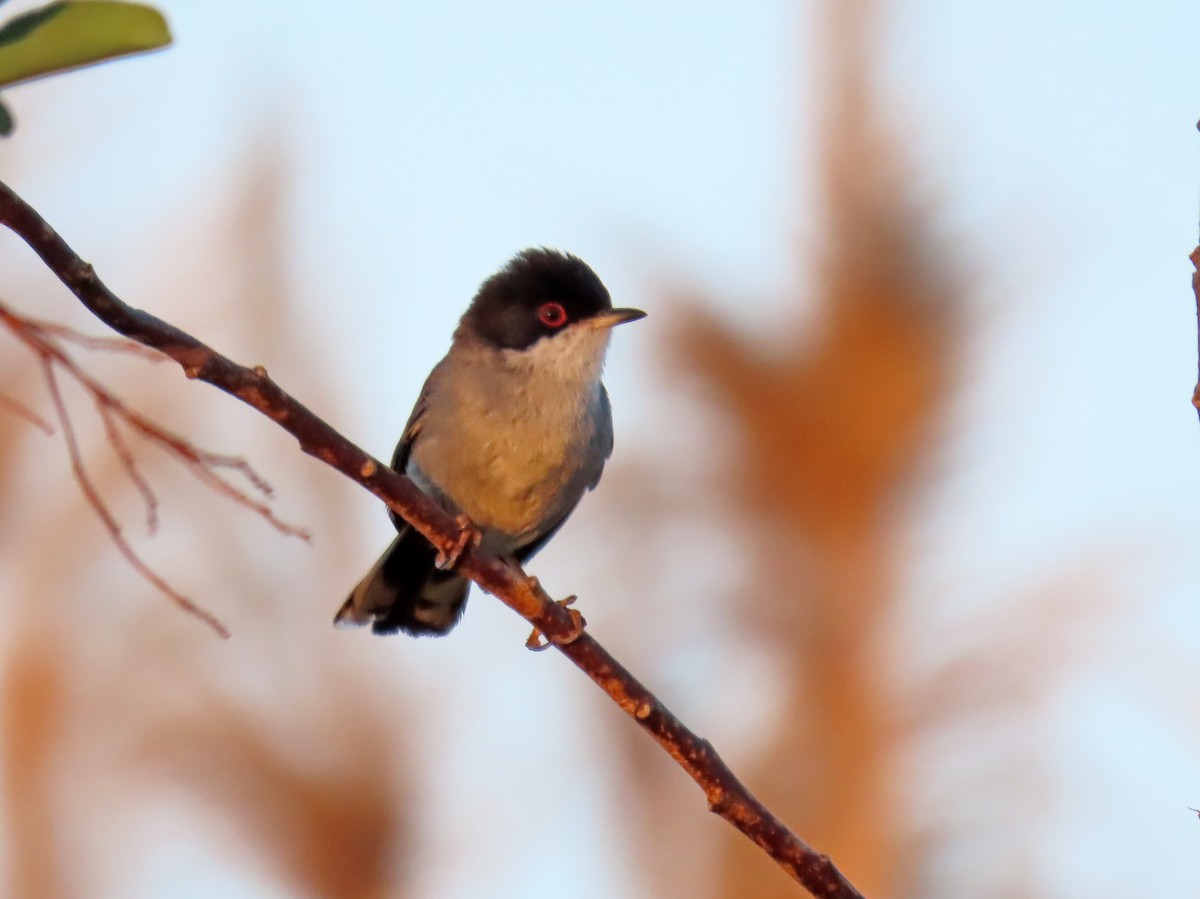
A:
1195,257
42,339
16,407
117,441
110,523
726,795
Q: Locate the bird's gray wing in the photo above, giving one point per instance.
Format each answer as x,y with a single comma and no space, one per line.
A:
602,441
412,430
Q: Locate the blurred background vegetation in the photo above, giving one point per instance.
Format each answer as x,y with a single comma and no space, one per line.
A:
899,515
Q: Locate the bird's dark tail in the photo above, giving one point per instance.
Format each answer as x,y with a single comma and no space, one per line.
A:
405,591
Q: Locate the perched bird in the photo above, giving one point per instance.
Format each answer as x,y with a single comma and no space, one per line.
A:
511,428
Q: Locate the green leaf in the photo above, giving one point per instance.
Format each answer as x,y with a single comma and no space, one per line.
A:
24,25
6,120
75,33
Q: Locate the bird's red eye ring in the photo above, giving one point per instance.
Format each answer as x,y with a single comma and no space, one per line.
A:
552,315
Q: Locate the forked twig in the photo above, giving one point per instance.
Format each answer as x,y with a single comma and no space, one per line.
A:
200,462
110,523
40,338
117,441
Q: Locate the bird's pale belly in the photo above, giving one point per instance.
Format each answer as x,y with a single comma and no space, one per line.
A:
510,494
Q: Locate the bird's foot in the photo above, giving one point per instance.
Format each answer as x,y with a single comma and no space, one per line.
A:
536,642
468,537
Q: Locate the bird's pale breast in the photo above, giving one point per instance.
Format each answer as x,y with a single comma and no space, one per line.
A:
512,450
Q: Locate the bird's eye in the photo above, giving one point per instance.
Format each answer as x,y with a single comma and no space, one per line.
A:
552,315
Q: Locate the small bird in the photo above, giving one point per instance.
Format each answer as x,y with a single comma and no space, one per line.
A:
511,428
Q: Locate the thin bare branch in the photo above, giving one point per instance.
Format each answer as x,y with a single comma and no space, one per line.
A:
93,342
1195,257
110,523
117,440
200,462
726,795
20,409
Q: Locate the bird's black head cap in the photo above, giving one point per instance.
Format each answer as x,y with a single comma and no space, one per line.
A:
537,294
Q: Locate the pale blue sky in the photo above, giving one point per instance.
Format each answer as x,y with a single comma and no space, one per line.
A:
667,143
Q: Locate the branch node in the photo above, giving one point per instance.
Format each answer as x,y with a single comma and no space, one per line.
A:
368,469
718,800
79,271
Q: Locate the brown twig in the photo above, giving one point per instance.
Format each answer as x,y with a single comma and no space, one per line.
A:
117,441
110,523
40,338
726,795
93,342
18,408
203,463
1195,257
200,462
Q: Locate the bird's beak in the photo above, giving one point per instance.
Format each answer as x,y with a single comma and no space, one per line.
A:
614,317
